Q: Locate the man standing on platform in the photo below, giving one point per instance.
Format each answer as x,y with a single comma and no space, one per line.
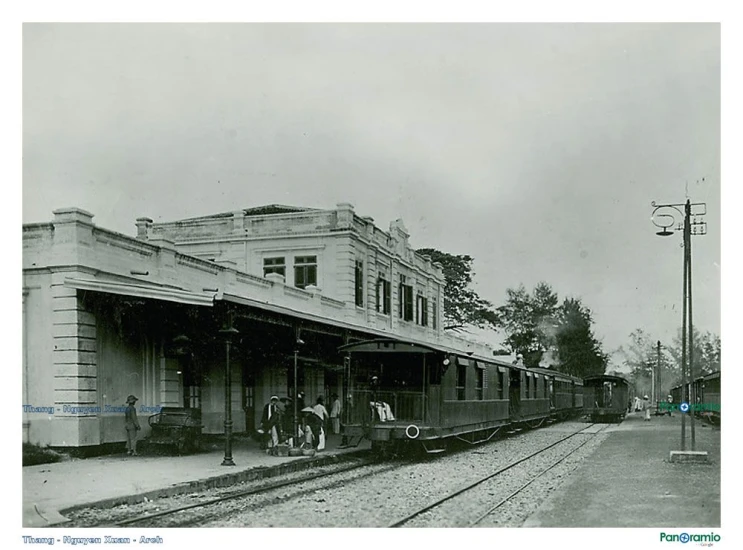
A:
271,422
132,425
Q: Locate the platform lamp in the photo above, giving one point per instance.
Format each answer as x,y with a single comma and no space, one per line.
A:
228,333
666,216
298,342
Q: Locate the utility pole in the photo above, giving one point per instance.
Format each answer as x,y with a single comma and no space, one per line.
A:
692,390
660,387
666,216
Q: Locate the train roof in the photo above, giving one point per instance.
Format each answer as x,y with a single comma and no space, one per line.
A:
614,377
393,345
708,376
556,374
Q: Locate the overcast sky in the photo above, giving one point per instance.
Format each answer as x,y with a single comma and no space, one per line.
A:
536,149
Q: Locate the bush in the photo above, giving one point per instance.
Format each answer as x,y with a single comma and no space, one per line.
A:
34,454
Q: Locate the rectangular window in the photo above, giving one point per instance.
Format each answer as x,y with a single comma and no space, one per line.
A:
421,312
274,265
405,297
305,271
527,378
384,296
479,383
434,315
501,384
461,381
192,397
359,280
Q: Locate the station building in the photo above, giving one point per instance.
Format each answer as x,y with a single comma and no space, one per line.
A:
262,293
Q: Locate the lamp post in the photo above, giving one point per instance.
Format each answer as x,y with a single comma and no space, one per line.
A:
666,216
658,384
228,333
298,342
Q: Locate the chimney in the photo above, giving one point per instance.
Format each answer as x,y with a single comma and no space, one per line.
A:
144,225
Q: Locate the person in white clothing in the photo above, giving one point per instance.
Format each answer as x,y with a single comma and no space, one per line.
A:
335,414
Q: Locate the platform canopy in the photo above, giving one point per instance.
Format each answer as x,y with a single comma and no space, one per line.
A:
142,291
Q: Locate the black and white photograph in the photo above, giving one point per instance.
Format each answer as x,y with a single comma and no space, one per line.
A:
370,275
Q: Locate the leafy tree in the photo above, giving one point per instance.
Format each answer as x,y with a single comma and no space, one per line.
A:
640,355
462,305
536,325
530,321
579,351
707,351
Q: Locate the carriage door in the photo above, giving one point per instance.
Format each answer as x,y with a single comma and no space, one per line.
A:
514,393
552,393
573,397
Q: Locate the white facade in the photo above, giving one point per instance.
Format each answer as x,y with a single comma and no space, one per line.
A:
335,243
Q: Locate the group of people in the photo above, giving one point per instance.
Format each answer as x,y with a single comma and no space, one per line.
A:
277,422
645,405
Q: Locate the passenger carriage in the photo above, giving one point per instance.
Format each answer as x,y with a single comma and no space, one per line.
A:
708,392
405,392
565,393
605,397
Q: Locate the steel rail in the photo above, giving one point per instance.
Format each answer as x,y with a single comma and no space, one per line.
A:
525,485
247,492
445,498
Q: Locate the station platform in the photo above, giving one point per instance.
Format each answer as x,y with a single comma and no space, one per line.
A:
629,481
51,489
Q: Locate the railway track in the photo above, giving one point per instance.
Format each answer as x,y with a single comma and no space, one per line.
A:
405,520
209,509
144,518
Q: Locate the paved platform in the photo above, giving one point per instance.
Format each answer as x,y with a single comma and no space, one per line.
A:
50,489
630,482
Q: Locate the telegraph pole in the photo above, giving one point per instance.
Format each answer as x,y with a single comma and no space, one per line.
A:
660,387
666,216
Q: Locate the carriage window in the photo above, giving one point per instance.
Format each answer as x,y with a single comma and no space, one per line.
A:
479,382
461,381
526,385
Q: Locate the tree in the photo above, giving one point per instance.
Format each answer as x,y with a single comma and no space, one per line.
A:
578,350
707,351
538,327
640,355
530,322
462,305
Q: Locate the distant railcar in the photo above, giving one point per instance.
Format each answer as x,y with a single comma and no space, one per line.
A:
605,397
707,390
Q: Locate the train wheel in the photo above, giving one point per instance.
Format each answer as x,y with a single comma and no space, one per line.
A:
381,449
